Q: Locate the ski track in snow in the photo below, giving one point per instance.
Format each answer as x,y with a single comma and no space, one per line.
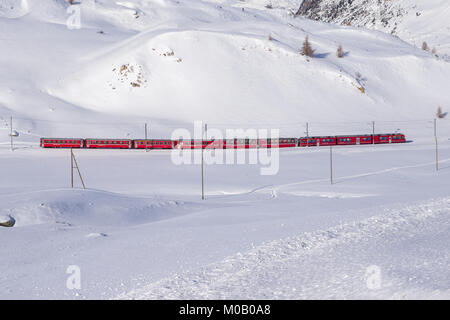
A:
331,263
274,189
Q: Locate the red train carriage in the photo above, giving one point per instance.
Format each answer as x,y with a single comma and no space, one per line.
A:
229,144
352,140
200,144
61,143
251,143
108,143
278,143
239,143
316,141
154,144
389,138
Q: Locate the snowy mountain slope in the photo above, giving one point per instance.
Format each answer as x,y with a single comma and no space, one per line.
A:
183,85
414,21
177,61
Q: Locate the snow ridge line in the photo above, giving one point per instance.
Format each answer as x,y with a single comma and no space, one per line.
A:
206,282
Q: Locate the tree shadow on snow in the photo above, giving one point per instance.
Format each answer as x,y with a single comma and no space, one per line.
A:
321,55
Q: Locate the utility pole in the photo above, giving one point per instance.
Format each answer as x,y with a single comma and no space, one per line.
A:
373,132
74,164
11,133
331,165
307,130
435,128
436,141
71,167
146,137
203,178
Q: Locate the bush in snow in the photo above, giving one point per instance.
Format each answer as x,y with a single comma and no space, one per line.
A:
425,46
307,50
340,52
440,114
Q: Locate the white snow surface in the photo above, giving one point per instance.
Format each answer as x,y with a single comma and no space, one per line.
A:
140,230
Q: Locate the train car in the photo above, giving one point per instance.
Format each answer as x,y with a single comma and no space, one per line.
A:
316,141
389,138
240,143
229,144
278,143
199,144
62,143
108,143
154,144
251,143
354,139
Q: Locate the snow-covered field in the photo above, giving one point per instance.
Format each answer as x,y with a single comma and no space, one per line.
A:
140,229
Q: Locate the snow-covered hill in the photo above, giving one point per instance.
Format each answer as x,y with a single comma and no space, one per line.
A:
414,21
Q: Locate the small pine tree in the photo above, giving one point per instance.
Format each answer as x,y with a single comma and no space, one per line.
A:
425,46
340,52
307,50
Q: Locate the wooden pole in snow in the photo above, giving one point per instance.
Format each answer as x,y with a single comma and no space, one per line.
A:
146,137
437,155
203,178
331,165
373,132
10,134
74,160
71,167
436,142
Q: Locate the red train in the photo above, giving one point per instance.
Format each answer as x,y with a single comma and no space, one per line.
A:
222,143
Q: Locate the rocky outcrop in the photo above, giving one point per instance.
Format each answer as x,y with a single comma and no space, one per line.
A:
368,13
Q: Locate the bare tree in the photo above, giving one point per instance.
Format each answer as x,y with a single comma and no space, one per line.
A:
434,51
439,113
340,52
425,46
307,50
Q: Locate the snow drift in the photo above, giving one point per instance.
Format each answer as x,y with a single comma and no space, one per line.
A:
88,207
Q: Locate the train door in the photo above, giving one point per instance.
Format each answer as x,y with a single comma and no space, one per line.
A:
358,141
390,139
